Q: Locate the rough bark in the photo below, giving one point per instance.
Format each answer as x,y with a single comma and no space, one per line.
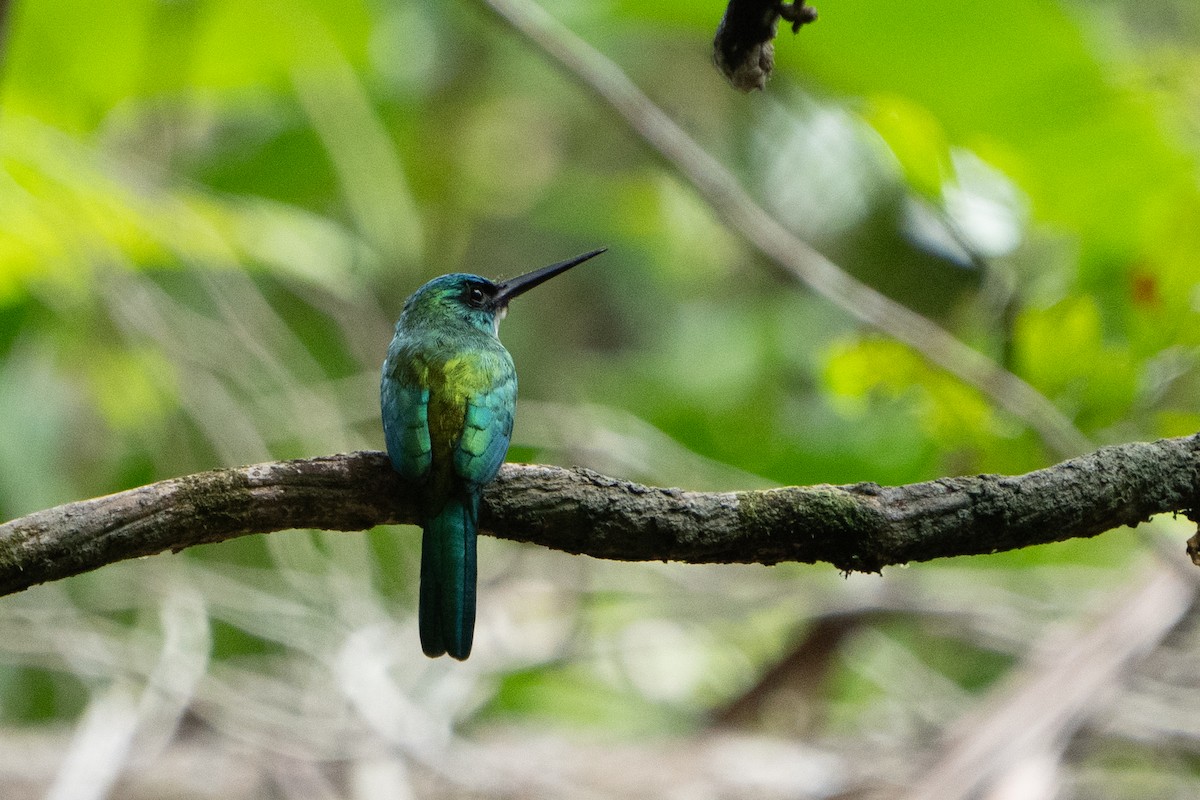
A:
863,527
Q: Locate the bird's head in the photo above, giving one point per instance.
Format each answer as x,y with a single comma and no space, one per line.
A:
475,300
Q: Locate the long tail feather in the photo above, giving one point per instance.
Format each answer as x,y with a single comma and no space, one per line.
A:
448,575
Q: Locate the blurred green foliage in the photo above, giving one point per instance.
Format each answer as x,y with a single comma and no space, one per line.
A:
211,212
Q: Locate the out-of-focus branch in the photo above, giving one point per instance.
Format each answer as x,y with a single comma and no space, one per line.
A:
863,527
1066,679
800,260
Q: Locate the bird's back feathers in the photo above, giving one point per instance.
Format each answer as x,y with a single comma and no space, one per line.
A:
448,406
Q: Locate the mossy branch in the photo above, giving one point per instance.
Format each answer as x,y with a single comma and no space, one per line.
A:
863,527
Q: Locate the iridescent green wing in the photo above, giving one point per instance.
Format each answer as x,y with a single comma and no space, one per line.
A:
487,431
487,423
404,394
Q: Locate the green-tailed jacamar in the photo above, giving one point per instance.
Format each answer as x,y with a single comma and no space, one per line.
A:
448,393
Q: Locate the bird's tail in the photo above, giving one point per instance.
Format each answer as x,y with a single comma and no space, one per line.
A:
447,611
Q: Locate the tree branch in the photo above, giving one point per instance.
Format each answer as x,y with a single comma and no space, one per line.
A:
863,527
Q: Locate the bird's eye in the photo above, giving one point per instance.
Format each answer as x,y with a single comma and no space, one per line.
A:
476,297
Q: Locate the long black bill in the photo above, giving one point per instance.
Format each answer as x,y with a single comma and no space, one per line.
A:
523,283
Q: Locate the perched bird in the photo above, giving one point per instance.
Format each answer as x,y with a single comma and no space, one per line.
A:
448,393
